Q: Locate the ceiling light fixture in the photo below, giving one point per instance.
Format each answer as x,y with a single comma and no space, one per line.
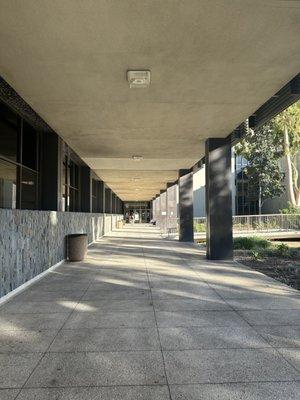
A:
138,79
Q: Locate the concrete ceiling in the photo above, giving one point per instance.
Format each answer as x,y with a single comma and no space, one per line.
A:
212,64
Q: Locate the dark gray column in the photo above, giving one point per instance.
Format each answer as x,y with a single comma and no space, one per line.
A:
185,209
86,189
218,199
100,195
108,200
50,171
113,201
117,205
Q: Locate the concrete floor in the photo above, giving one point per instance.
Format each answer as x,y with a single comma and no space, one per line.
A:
145,318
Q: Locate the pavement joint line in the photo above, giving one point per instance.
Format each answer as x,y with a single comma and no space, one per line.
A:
45,352
158,334
254,327
152,350
233,309
152,385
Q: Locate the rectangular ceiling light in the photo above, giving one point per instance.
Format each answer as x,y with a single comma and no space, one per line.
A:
138,79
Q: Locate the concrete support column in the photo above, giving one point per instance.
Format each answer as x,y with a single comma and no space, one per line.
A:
157,209
185,209
86,189
101,197
163,210
152,209
218,199
50,168
108,200
171,206
113,203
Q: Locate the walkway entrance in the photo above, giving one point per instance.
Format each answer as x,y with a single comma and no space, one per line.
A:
152,319
137,212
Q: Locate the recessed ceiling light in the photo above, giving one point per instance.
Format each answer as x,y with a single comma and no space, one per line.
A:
137,158
138,79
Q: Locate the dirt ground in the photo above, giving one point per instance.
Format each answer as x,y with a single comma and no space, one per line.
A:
286,270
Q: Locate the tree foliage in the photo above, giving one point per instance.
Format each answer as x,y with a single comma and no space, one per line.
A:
289,119
264,147
287,129
260,148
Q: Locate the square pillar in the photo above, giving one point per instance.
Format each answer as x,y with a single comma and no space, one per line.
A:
185,206
153,209
108,200
157,209
171,206
86,189
100,197
113,203
163,210
219,244
50,168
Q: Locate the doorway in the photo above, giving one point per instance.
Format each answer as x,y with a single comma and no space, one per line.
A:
137,212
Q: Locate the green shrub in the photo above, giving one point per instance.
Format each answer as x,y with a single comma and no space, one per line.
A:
251,243
290,209
198,227
283,250
257,255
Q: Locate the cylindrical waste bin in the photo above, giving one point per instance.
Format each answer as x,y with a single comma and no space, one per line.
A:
77,246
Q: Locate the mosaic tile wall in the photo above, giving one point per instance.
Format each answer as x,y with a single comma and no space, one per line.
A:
33,241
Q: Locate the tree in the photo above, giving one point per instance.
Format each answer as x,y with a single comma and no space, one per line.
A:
260,148
287,129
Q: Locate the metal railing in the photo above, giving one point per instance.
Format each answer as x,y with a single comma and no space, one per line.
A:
264,223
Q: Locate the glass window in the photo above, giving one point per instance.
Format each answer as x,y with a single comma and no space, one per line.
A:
70,184
9,133
19,161
73,200
8,185
29,147
94,195
29,191
74,181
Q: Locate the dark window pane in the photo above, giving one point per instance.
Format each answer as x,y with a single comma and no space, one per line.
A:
94,187
9,132
64,173
8,185
28,190
73,174
73,200
29,144
76,176
94,205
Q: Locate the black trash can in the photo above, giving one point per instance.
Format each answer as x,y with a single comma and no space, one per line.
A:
77,246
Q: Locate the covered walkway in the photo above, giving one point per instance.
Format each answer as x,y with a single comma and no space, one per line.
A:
146,318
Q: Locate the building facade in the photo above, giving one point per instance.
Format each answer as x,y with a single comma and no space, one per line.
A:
46,192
